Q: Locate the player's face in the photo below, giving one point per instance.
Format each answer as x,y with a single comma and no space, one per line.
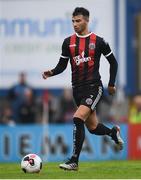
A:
80,23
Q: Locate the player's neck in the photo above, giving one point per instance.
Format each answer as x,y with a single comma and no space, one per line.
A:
84,33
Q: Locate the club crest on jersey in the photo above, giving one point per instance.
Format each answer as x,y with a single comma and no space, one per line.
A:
80,58
91,46
89,101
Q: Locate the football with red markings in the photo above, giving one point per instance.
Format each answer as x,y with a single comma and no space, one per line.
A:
31,163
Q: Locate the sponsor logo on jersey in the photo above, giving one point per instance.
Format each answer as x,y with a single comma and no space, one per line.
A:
81,59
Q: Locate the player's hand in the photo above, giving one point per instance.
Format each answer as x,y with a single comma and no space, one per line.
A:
47,74
111,90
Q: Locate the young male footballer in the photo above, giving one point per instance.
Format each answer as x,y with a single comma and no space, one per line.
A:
83,50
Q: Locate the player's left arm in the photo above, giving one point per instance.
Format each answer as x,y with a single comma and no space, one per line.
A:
113,66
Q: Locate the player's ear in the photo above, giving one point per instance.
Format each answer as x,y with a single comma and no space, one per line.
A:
86,18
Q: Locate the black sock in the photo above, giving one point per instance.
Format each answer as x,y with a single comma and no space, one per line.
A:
101,129
78,137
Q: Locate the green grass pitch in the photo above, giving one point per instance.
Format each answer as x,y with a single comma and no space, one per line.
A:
87,170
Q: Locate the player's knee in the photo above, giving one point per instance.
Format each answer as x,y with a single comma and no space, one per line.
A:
82,112
81,115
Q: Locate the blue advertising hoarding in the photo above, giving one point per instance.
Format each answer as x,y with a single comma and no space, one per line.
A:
54,143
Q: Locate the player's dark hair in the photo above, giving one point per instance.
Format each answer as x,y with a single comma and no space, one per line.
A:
80,11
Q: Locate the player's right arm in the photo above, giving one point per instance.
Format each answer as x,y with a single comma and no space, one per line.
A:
60,67
62,64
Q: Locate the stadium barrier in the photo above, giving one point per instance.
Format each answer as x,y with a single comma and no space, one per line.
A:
54,143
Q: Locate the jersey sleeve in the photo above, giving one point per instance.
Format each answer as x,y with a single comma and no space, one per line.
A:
105,48
60,67
106,51
65,50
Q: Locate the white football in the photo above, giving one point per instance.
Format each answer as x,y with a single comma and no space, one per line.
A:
31,163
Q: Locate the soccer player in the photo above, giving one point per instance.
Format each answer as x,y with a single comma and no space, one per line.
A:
84,49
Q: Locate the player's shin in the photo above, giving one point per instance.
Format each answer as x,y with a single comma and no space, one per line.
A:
78,137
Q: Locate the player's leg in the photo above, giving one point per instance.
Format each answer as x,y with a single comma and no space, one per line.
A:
79,118
86,99
97,128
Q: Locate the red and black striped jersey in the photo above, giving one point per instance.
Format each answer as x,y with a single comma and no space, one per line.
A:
84,53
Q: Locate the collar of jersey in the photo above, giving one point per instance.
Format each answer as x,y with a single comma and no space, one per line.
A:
84,35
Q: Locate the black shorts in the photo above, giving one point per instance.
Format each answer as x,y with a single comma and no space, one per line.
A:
89,95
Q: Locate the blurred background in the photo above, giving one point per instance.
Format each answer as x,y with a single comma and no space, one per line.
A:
36,115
